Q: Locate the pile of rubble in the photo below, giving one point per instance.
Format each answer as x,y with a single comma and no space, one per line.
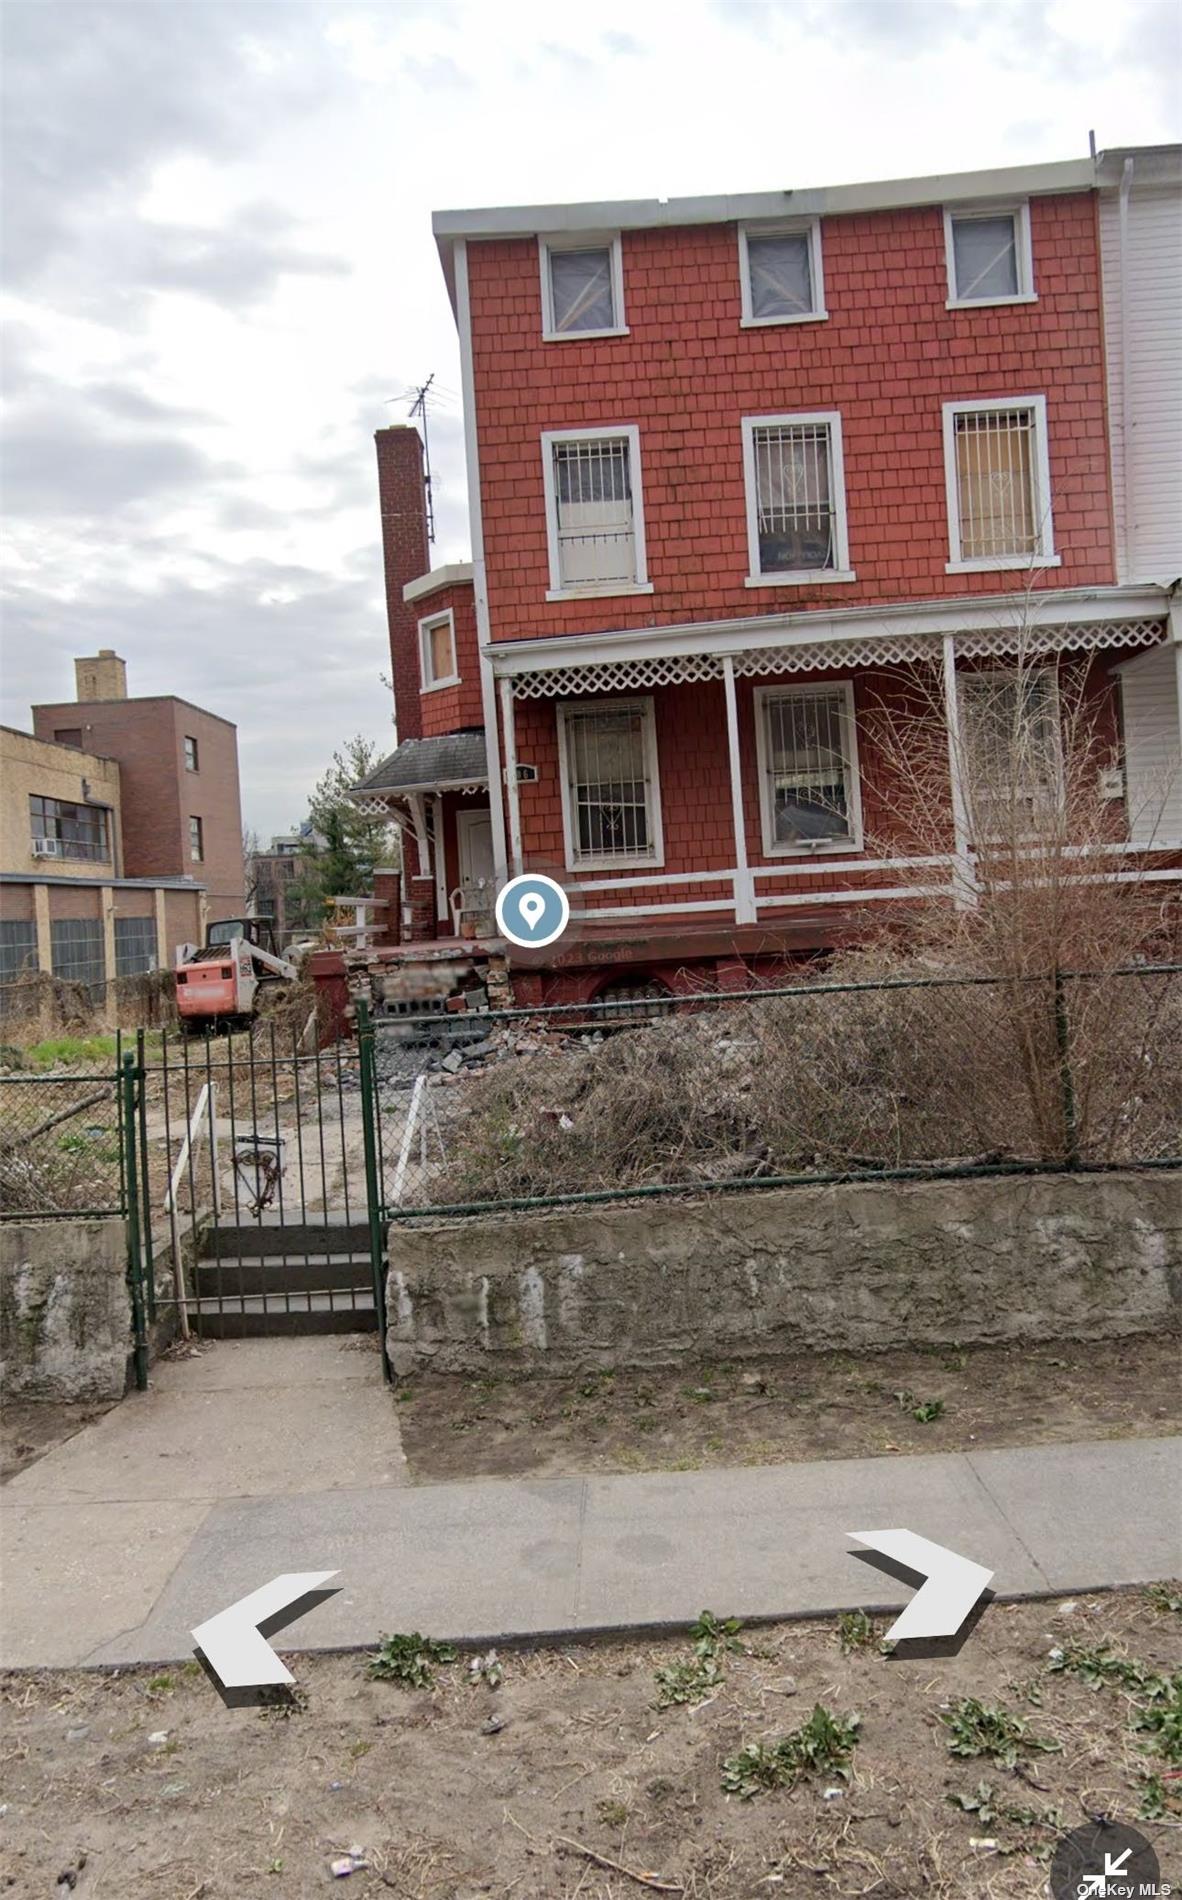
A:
444,1049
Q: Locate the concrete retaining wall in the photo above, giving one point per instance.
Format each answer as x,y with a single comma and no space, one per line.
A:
791,1269
65,1324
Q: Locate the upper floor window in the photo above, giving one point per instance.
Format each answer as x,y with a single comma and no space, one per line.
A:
808,768
437,650
64,830
69,735
190,753
594,512
780,273
998,480
611,799
989,255
196,840
582,287
796,527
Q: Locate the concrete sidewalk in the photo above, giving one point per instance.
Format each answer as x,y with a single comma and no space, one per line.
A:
276,1455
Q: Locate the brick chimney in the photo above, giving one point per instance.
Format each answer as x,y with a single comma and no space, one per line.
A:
103,676
402,495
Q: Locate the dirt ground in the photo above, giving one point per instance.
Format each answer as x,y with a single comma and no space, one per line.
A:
28,1431
142,1784
818,1406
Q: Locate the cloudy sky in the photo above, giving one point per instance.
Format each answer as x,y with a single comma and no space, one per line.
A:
219,276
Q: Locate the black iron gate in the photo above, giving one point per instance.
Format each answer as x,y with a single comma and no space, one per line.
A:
252,1211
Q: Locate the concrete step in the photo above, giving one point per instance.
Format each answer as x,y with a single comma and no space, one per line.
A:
269,1234
255,1318
231,1275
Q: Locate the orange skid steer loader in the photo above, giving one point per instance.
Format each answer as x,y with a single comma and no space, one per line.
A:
218,984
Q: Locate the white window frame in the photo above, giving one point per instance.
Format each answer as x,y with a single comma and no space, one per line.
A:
808,848
784,227
1044,555
655,857
426,626
1049,673
1019,211
582,241
609,432
798,577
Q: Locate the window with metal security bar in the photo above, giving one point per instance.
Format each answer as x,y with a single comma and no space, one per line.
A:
807,754
780,274
437,651
76,951
60,829
582,288
594,512
1011,748
18,950
989,255
610,793
796,524
997,472
135,945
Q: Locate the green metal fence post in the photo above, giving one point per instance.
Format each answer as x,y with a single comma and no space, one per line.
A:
373,1191
135,1270
149,1263
1071,1151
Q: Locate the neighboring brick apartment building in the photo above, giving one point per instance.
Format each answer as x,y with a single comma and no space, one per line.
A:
736,466
121,831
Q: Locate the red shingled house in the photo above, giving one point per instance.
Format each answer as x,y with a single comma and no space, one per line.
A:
732,464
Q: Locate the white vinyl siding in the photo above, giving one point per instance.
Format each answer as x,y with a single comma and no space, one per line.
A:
1146,465
997,471
611,798
594,512
582,287
1153,754
795,480
807,756
780,273
989,256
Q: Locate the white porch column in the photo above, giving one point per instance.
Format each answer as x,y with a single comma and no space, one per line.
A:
441,910
744,889
418,812
512,791
964,889
1176,642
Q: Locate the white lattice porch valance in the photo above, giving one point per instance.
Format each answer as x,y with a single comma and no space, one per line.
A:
677,669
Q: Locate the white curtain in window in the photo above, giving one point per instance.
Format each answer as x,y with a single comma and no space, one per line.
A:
581,290
985,257
781,275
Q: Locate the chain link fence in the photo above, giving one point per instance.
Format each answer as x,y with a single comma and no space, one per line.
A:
61,1146
820,1081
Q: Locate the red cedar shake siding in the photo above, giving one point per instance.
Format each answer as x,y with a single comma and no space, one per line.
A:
887,357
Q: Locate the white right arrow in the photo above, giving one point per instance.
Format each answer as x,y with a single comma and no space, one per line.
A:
952,1584
233,1644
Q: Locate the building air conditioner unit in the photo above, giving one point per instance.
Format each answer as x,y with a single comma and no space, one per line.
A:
47,848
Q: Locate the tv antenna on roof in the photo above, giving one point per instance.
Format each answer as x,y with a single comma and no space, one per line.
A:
419,408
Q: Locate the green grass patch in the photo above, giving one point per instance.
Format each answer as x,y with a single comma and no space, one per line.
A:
409,1659
983,1728
823,1745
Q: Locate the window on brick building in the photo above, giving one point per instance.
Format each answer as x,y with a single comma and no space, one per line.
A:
807,753
989,255
76,952
999,486
796,528
582,287
437,651
69,735
196,841
594,511
135,945
60,829
611,798
190,754
780,273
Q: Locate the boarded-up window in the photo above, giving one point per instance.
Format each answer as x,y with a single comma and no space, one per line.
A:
996,488
438,649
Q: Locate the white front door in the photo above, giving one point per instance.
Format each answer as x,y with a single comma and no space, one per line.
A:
477,873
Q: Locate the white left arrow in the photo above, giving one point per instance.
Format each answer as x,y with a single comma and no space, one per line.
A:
232,1642
951,1587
